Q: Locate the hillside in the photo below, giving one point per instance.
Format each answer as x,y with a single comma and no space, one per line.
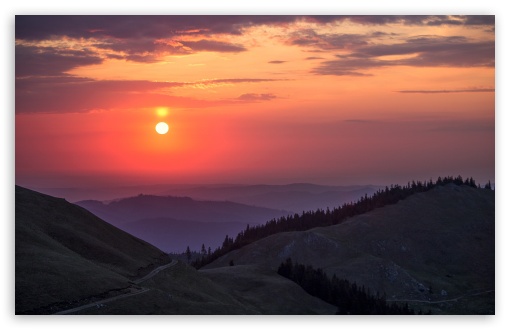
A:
433,246
65,253
68,261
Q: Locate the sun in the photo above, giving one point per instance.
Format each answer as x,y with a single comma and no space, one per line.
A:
162,128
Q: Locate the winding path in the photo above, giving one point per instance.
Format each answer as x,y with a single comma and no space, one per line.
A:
133,291
441,301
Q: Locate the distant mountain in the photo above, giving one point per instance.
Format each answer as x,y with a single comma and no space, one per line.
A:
173,223
64,253
434,250
297,197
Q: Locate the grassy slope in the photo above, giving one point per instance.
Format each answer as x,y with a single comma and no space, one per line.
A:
183,290
64,253
442,239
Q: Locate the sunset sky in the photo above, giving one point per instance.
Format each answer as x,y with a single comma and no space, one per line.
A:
253,99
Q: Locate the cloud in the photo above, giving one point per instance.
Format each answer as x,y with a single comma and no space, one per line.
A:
314,58
41,27
424,51
46,61
473,90
148,26
65,93
252,97
69,94
148,38
430,20
276,62
310,38
213,46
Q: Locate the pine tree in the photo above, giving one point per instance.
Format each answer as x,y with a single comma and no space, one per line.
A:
188,254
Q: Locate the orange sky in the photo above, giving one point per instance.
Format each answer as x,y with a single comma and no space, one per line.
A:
263,99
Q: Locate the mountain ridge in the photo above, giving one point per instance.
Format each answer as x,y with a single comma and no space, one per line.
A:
431,245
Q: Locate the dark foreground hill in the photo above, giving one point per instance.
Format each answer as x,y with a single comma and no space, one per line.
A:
434,250
69,261
65,253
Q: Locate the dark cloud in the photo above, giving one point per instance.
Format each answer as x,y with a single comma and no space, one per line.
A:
314,58
425,51
431,20
310,38
136,27
252,97
443,91
147,38
148,50
48,61
213,46
41,27
277,62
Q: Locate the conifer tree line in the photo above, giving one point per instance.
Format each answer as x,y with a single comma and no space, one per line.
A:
322,218
349,298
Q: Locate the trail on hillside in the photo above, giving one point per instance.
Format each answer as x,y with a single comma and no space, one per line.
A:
133,291
442,301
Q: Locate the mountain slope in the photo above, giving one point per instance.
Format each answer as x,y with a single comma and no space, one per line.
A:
65,253
431,246
69,261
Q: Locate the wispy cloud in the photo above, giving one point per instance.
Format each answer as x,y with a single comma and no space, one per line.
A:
253,97
424,51
441,91
276,62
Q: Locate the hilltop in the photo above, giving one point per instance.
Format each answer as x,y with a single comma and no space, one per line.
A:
432,246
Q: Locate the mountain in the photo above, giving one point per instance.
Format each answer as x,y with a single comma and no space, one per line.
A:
180,208
68,261
64,253
297,197
434,250
173,223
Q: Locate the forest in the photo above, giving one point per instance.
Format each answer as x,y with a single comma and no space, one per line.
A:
349,298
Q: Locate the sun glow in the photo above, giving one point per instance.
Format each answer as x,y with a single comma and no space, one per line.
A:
162,128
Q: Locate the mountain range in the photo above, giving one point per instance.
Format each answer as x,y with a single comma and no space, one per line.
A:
434,251
174,223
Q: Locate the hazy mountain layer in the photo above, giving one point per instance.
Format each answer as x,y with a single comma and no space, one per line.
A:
175,236
174,223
